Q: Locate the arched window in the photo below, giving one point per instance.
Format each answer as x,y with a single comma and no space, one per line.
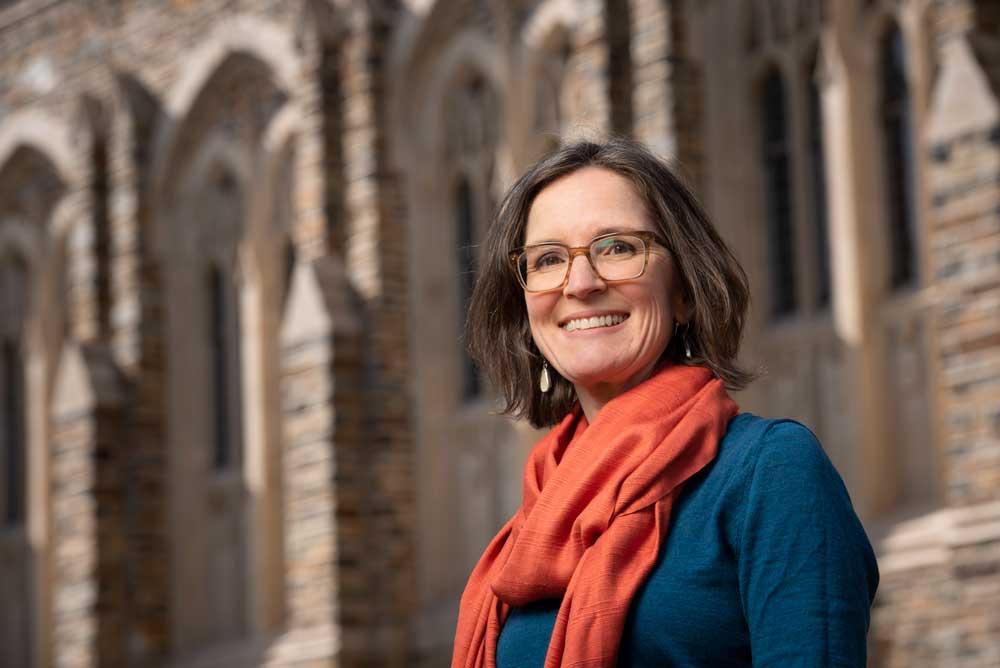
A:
221,355
817,163
776,155
898,158
465,233
13,287
100,191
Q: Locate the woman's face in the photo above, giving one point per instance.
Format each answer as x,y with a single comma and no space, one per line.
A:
573,210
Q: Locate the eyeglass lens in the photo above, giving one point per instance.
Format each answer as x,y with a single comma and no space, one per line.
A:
614,258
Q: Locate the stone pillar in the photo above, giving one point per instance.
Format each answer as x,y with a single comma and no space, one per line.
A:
667,95
319,171
939,599
325,555
377,250
88,587
963,132
137,341
589,113
849,132
88,315
349,205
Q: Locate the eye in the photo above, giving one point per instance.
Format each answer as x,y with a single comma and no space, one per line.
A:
548,260
616,246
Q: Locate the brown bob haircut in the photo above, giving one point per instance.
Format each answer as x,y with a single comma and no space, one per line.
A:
714,285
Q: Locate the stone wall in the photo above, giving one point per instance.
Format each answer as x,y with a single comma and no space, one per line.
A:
88,589
939,599
122,81
367,485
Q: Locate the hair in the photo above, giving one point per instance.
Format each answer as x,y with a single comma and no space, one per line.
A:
715,287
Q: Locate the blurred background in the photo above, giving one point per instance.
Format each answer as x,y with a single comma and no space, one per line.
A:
237,244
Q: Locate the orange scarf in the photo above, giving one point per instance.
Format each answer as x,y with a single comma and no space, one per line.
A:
596,509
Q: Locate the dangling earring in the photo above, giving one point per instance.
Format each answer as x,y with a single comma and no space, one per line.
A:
687,345
545,381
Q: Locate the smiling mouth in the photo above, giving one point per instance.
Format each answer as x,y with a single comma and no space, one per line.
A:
595,322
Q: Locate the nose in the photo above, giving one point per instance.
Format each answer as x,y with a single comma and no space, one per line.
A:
582,280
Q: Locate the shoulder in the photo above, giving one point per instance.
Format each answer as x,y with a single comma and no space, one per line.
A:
756,445
782,476
778,468
766,466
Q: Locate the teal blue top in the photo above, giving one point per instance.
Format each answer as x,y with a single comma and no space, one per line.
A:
765,564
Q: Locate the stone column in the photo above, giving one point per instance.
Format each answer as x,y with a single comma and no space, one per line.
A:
667,95
590,113
319,171
964,234
939,599
349,206
138,344
325,555
376,250
963,133
88,587
848,133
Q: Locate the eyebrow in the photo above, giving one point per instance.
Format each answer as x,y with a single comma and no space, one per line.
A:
602,231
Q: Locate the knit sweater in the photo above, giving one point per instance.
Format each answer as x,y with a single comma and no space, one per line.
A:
765,564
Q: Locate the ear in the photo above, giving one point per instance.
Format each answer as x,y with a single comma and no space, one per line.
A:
681,307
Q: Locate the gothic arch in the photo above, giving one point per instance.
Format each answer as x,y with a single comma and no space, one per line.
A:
469,53
267,42
37,169
37,211
46,134
548,42
260,98
551,16
245,43
227,141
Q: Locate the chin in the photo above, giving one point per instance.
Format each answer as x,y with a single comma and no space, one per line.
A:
598,375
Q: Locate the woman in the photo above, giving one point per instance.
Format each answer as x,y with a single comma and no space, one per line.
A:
658,527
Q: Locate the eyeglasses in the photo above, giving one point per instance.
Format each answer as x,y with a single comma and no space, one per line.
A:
619,256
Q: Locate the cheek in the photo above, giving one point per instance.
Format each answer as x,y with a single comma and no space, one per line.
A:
538,307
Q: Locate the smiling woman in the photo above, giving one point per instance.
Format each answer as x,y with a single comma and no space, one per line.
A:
573,324
575,196
657,527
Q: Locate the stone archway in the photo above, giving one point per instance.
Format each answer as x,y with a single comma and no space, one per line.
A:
454,92
208,224
33,195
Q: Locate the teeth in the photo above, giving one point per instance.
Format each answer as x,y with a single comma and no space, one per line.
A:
590,323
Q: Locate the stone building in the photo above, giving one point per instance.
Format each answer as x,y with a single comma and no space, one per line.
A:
237,238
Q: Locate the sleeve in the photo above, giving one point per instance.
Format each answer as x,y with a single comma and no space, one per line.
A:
807,571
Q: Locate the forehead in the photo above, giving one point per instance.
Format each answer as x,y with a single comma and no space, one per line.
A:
579,206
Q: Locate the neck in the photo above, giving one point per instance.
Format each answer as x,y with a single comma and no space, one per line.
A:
592,399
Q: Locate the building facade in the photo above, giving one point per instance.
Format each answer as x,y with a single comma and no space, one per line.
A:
237,242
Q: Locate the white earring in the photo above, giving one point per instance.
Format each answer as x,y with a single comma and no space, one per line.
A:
545,381
687,345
